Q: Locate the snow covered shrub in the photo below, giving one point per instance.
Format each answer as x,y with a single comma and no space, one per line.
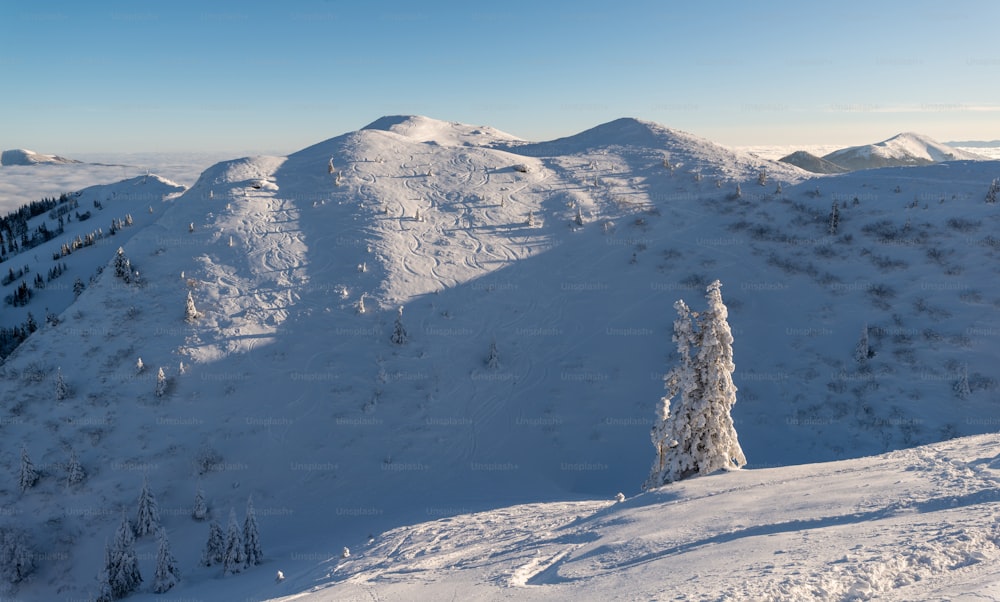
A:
17,556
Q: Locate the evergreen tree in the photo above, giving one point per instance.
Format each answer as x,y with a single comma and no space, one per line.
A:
493,360
123,565
531,219
234,555
762,177
399,336
123,267
215,547
75,474
200,511
161,383
190,312
863,351
104,593
834,219
578,220
698,436
147,518
251,536
739,192
167,574
17,557
961,386
28,475
139,366
62,391
991,194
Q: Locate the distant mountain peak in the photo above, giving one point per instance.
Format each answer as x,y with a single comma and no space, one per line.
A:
905,148
445,133
23,156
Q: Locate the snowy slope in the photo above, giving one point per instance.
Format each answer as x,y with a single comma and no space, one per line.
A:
22,156
291,393
919,524
812,163
900,150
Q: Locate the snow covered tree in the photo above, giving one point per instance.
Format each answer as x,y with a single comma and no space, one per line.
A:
762,177
399,336
251,536
27,476
147,518
234,558
578,220
17,557
961,386
777,189
122,564
493,360
167,574
329,168
75,474
139,366
531,219
215,547
697,436
739,192
863,351
200,510
161,383
190,311
834,219
991,194
123,267
62,390
78,287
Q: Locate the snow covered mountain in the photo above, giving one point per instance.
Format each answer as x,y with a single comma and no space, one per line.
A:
900,150
564,256
812,163
22,156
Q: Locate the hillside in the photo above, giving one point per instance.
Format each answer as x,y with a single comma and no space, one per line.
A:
568,255
22,156
900,150
812,163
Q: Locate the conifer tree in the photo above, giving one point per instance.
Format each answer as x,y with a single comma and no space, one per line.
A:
161,383
399,336
167,574
147,518
834,219
62,390
251,536
961,386
493,360
863,351
123,565
697,436
28,476
215,547
200,510
75,474
991,194
190,312
234,555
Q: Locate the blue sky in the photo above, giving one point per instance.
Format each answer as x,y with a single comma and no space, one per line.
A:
278,76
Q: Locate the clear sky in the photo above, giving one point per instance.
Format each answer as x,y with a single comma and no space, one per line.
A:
276,76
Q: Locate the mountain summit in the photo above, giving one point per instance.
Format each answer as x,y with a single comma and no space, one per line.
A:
21,156
901,150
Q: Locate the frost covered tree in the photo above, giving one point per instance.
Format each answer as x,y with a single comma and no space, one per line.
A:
777,189
122,564
17,556
697,435
147,517
762,177
200,510
329,167
399,336
251,536
578,220
167,574
139,366
62,390
863,351
234,558
190,311
531,219
493,360
123,267
991,194
215,547
75,474
161,383
27,476
834,219
739,192
961,386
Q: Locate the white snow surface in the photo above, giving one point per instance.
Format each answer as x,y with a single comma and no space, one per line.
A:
289,393
21,156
